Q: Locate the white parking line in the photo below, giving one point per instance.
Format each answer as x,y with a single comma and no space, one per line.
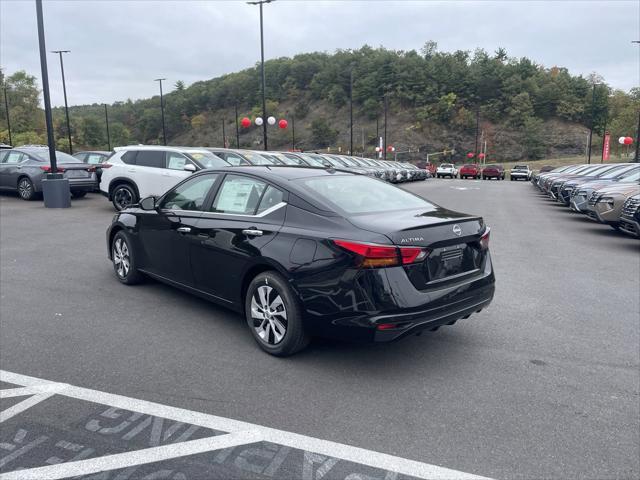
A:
240,433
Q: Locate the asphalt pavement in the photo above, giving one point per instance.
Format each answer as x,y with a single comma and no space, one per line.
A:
544,383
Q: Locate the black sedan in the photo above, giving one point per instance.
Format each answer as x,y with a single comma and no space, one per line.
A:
305,252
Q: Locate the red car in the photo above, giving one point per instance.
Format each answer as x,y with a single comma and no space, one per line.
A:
471,170
428,166
493,171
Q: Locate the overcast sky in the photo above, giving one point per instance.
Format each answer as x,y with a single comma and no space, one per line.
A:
119,47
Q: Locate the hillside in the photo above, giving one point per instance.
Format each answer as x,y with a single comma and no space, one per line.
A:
524,110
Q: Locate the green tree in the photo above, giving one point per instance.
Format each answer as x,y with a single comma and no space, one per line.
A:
322,135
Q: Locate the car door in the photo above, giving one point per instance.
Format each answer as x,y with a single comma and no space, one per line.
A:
168,233
174,171
246,214
148,172
10,168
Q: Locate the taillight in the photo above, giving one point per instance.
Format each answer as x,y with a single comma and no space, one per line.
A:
373,255
484,240
106,165
47,168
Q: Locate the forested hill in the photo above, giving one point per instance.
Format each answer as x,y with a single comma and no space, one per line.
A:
525,110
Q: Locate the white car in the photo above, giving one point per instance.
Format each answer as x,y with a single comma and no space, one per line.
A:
520,172
136,172
447,170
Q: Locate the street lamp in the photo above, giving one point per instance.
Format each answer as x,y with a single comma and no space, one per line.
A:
637,157
593,112
55,188
6,106
264,98
386,106
64,90
164,131
351,111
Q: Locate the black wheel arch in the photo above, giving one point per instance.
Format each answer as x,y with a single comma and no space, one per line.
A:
261,266
122,180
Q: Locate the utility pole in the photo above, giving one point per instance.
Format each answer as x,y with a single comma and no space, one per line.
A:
237,128
106,118
64,90
475,151
637,157
224,135
593,111
293,132
164,131
264,83
6,106
385,125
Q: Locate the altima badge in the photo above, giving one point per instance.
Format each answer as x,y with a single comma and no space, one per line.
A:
457,230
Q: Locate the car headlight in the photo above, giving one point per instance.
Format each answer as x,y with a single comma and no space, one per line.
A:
608,200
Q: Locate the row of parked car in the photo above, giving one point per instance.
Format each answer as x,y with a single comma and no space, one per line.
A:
486,172
130,173
608,194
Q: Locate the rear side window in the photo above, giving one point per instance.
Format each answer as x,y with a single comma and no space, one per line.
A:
129,157
233,159
94,159
150,158
239,195
272,197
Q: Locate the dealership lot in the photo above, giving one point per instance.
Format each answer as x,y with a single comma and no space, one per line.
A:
544,383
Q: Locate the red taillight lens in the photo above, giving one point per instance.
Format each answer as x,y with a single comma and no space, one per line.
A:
47,169
383,255
106,165
484,240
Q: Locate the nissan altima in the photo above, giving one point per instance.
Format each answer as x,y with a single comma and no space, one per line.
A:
305,252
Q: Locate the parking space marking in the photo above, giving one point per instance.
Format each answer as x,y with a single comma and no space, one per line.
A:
240,433
133,458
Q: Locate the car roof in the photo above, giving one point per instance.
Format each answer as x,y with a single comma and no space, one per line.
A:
102,152
282,172
171,148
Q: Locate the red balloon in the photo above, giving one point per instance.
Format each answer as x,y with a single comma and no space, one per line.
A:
283,123
481,155
471,155
628,140
245,122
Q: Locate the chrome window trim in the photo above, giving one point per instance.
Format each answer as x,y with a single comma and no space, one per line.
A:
269,210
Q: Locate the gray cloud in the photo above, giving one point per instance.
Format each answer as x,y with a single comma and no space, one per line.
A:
119,47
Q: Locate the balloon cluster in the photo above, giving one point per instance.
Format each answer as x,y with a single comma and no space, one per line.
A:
625,140
246,122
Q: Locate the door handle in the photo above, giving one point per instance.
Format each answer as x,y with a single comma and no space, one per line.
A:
184,229
251,232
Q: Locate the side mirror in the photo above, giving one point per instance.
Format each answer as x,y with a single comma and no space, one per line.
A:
148,203
189,167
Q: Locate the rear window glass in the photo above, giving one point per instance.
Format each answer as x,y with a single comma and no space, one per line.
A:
520,167
358,194
446,165
61,157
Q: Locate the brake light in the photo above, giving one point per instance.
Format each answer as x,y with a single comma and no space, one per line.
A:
373,255
47,168
106,165
484,240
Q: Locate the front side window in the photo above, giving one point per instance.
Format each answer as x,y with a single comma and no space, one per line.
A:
176,161
150,158
190,195
359,194
239,195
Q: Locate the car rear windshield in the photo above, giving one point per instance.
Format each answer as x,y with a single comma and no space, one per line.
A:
359,194
446,165
521,167
469,166
61,157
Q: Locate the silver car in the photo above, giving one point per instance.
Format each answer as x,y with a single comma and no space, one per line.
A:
22,169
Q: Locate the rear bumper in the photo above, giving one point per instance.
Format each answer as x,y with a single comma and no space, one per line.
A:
83,185
387,296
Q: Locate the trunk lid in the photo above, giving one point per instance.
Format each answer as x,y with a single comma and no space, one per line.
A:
453,240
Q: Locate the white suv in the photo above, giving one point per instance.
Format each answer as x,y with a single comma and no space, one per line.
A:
447,170
135,172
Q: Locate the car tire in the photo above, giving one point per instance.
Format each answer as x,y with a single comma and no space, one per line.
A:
123,258
26,191
123,195
271,292
78,193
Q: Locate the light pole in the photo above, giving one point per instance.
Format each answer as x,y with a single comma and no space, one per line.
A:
637,156
106,118
386,106
475,151
55,188
164,130
593,113
6,106
224,134
64,90
293,132
264,98
351,112
237,128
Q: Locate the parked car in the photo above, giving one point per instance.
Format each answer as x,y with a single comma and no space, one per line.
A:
520,172
470,170
138,171
630,218
493,171
555,186
243,157
566,189
309,252
581,195
606,203
23,169
94,157
447,170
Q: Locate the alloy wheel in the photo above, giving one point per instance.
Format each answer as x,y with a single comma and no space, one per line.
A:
25,189
121,258
123,197
269,315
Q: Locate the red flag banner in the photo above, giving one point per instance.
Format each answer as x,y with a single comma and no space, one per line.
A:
606,147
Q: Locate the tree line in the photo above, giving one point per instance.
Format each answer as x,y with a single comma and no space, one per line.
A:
427,91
